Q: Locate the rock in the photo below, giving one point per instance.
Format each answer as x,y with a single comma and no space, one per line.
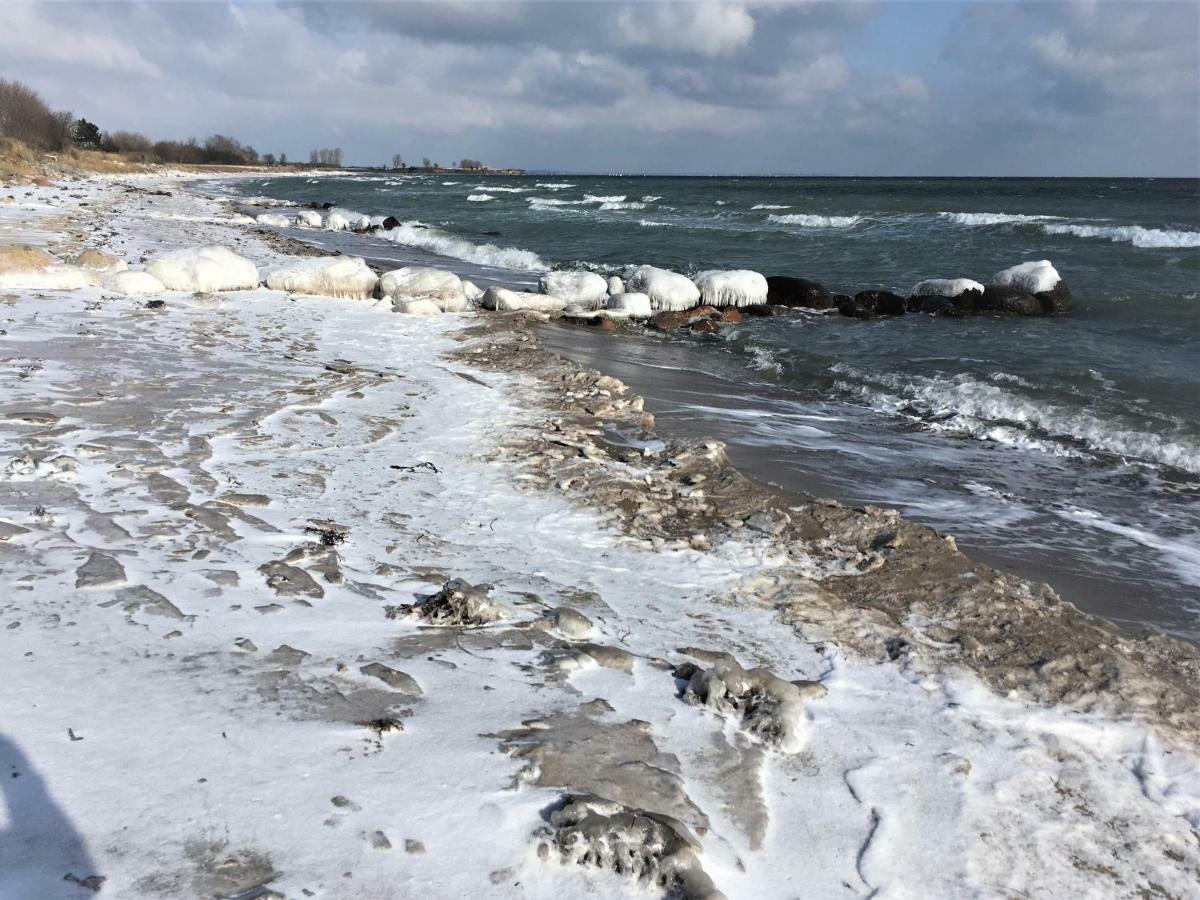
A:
325,276
10,530
100,262
290,581
941,306
336,222
100,571
1010,300
503,300
132,284
417,307
380,841
784,290
393,678
472,293
884,303
585,289
572,624
413,846
23,258
457,603
273,220
704,326
28,268
854,308
669,321
731,317
666,290
635,306
308,218
424,283
732,287
209,268
947,287
764,310
1041,279
389,223
285,655
615,286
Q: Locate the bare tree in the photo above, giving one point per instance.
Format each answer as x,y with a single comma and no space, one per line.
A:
25,117
426,163
269,159
397,161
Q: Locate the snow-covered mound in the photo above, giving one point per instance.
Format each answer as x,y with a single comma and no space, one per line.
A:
1035,276
308,218
132,284
422,306
336,222
473,293
100,263
666,290
946,287
326,276
274,220
615,286
732,287
210,268
584,289
424,283
633,306
503,300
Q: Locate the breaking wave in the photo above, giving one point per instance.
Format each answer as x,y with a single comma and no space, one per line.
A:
554,185
414,234
769,206
812,221
1137,235
480,198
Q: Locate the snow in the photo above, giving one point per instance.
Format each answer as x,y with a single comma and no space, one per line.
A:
274,220
211,268
1035,276
667,290
327,276
58,277
132,284
187,712
946,287
584,289
634,305
423,282
734,287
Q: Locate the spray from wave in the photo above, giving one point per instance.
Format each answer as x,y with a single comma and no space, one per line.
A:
414,234
1137,235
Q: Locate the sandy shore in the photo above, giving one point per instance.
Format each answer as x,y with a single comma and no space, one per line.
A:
225,528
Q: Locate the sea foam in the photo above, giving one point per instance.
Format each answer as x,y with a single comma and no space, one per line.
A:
807,220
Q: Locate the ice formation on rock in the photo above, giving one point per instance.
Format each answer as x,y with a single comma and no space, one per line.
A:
473,293
503,300
636,306
336,222
667,290
1035,276
100,263
946,287
133,284
210,268
275,220
615,286
28,268
308,218
325,276
457,603
585,289
424,283
763,704
571,623
733,287
421,306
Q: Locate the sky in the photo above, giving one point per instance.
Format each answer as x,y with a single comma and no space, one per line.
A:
1095,87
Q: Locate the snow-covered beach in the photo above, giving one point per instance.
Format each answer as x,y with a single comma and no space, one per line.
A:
217,514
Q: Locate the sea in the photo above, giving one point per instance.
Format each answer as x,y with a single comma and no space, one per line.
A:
1064,449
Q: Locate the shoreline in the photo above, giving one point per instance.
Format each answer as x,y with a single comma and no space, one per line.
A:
227,430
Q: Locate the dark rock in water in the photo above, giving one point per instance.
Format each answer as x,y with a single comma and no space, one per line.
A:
704,326
732,316
670,320
885,303
763,310
326,206
604,323
374,229
784,290
703,312
940,306
390,222
855,308
1010,300
1056,301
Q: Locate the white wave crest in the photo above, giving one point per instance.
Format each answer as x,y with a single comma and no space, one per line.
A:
618,204
500,190
480,198
1133,234
980,220
764,360
651,198
449,183
650,223
554,185
811,221
412,234
769,206
593,198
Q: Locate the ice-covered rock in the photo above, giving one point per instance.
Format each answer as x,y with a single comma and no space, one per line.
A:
474,294
100,262
422,306
503,300
615,286
764,705
274,220
732,287
584,289
571,623
946,287
457,603
308,218
28,268
634,306
211,268
1035,276
423,282
132,284
336,222
326,276
666,290
362,223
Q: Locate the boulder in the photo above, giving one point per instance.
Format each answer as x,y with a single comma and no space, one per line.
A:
503,300
389,223
585,289
423,282
855,308
947,287
731,316
884,303
418,307
635,306
326,276
667,290
471,292
102,263
784,290
205,269
940,306
336,222
28,268
362,224
307,218
703,326
731,287
274,220
764,310
615,286
1041,279
1011,300
132,284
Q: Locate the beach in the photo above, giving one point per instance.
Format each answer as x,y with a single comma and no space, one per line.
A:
304,597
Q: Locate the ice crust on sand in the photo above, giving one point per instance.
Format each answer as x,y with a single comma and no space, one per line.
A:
733,287
132,284
667,290
635,306
503,300
946,287
326,276
648,847
211,268
761,703
584,289
424,283
1035,276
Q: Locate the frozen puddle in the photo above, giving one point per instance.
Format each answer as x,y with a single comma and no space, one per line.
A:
223,531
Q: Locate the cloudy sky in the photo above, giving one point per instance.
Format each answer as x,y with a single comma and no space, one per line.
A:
1098,87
